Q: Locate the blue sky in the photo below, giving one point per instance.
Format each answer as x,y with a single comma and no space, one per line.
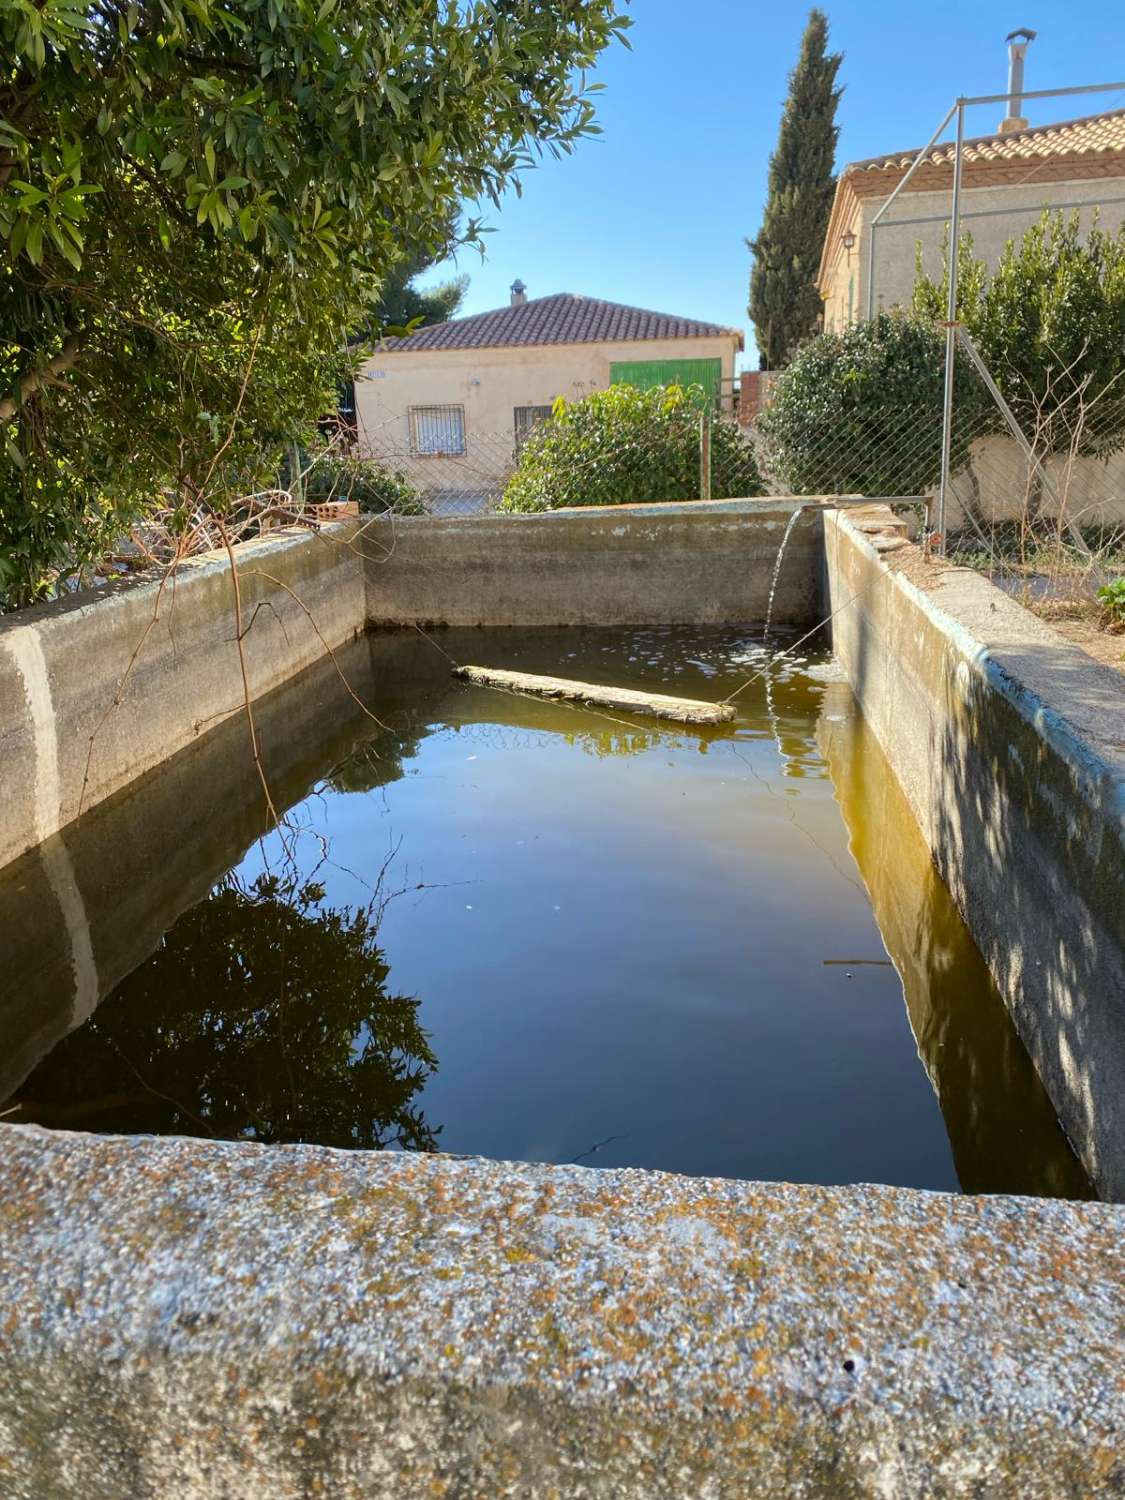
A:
655,211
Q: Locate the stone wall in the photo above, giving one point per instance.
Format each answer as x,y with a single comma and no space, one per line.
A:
1006,739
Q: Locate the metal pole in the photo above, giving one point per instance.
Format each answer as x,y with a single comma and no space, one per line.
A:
1083,88
705,454
871,269
950,331
914,165
1000,213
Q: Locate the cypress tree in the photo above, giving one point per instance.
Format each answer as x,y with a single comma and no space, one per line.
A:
784,302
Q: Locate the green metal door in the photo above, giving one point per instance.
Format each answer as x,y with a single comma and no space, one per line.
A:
646,373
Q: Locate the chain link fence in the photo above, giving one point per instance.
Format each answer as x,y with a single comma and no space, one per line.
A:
430,461
1036,490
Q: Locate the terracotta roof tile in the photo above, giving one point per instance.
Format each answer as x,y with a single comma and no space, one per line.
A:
1094,135
564,318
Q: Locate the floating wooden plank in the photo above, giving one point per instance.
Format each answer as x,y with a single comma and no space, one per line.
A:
683,710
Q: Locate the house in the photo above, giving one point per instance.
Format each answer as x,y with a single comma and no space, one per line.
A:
1008,179
470,389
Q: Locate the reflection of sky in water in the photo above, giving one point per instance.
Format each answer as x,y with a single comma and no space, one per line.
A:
614,938
629,942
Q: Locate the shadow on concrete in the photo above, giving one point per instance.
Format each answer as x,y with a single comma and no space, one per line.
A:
1030,842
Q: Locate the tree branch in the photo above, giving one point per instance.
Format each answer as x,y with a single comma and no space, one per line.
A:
34,380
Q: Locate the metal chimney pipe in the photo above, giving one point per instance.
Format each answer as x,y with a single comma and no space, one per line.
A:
1018,42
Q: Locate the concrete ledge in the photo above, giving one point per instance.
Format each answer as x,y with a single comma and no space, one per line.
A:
203,1320
138,669
697,562
1009,742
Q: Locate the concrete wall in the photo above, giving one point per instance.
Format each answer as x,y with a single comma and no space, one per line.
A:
207,1320
1003,1129
689,563
1007,741
98,689
490,384
996,481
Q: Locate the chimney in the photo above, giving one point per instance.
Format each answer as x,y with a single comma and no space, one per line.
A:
1017,51
519,293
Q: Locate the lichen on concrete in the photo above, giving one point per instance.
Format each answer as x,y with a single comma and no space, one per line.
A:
204,1319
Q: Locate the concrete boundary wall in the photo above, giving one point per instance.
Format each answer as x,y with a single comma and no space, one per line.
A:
1009,742
97,689
208,1320
697,562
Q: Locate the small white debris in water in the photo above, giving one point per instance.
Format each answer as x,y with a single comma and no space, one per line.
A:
469,908
470,757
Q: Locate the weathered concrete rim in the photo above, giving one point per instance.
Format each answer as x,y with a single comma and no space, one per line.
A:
204,1318
1079,732
751,505
100,687
148,581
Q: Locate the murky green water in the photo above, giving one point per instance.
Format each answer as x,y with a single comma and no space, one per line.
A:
496,925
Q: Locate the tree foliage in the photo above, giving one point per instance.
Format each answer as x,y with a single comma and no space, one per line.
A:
784,301
199,202
860,412
1050,325
625,445
263,1015
403,302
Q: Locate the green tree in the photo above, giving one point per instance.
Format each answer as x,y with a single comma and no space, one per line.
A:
625,445
860,412
402,301
784,301
1050,325
200,199
263,1015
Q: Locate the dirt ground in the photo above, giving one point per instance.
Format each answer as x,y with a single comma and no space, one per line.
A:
1079,620
1081,623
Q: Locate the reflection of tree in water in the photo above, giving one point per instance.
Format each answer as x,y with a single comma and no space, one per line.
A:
377,762
263,1015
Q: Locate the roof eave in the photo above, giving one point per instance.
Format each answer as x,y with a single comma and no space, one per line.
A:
406,348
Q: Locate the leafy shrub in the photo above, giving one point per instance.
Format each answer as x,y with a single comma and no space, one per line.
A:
623,445
373,486
1112,599
860,412
1050,324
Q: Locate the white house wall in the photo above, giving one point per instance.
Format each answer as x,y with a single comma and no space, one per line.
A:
895,244
491,383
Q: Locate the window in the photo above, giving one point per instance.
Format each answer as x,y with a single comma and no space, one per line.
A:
527,418
437,429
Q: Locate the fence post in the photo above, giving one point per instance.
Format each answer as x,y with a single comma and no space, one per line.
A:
705,454
296,475
950,330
